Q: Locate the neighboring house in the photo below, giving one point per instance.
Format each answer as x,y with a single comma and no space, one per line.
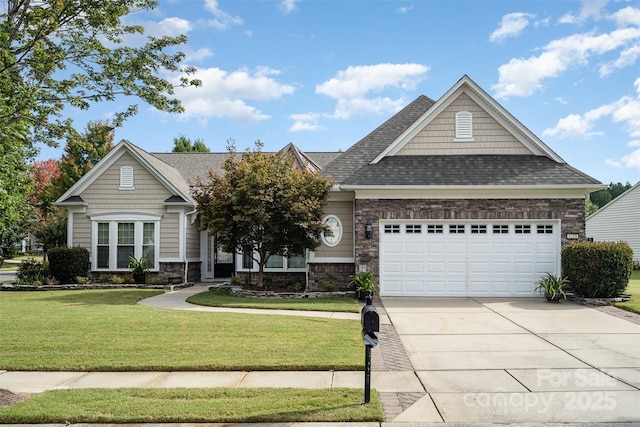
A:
453,197
618,220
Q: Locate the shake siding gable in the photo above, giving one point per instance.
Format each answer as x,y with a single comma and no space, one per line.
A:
618,221
104,195
489,137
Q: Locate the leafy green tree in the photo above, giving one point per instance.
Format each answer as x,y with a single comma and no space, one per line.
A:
604,196
76,53
81,153
56,54
262,205
182,144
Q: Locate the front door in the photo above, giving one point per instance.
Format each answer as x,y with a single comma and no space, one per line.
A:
222,262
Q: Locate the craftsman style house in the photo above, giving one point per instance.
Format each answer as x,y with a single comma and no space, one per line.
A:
453,197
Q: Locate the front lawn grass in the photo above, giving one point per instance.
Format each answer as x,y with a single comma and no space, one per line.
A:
223,299
634,289
238,405
105,330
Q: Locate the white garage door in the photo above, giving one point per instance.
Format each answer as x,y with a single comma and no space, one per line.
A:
466,259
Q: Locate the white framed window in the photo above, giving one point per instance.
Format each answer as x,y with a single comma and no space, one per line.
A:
456,228
126,178
116,237
275,263
392,229
333,235
435,229
464,126
413,229
283,263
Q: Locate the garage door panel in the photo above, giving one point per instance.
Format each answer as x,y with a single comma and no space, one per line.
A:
479,267
457,248
414,248
458,287
413,267
457,267
392,267
436,267
498,267
392,248
436,286
503,258
414,287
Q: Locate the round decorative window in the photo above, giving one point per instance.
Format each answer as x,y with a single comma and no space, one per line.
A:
333,235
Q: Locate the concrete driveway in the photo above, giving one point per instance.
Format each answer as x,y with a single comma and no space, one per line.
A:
518,361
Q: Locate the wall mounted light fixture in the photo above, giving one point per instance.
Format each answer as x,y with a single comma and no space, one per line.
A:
368,229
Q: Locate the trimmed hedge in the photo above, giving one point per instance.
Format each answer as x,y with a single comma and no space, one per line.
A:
65,264
598,269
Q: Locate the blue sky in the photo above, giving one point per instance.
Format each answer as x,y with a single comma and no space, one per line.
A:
322,74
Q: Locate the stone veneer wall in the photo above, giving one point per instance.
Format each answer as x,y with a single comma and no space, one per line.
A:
570,212
319,274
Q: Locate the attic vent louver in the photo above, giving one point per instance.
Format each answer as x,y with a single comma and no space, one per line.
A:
464,126
126,178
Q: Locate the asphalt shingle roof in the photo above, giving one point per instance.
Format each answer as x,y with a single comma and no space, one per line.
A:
469,170
368,148
194,165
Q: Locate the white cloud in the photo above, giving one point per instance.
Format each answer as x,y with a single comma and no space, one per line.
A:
627,16
625,111
590,9
511,25
573,126
225,94
631,161
522,77
288,6
305,122
348,107
350,87
627,58
404,9
191,56
222,20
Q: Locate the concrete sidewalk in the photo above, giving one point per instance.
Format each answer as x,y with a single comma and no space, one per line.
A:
38,382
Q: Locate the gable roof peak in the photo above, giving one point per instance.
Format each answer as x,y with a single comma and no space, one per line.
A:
467,86
301,160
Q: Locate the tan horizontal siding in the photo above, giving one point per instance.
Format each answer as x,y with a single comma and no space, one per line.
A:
81,231
438,137
170,236
344,249
193,240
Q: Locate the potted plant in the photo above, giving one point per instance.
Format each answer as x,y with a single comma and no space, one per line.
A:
552,286
140,268
363,282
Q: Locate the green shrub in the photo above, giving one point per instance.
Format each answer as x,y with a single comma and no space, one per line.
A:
31,272
67,263
598,269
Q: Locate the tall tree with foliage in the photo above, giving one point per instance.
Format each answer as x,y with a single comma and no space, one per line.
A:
262,205
50,225
182,144
82,152
602,197
56,54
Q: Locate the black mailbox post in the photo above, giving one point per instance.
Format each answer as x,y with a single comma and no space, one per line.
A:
370,325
